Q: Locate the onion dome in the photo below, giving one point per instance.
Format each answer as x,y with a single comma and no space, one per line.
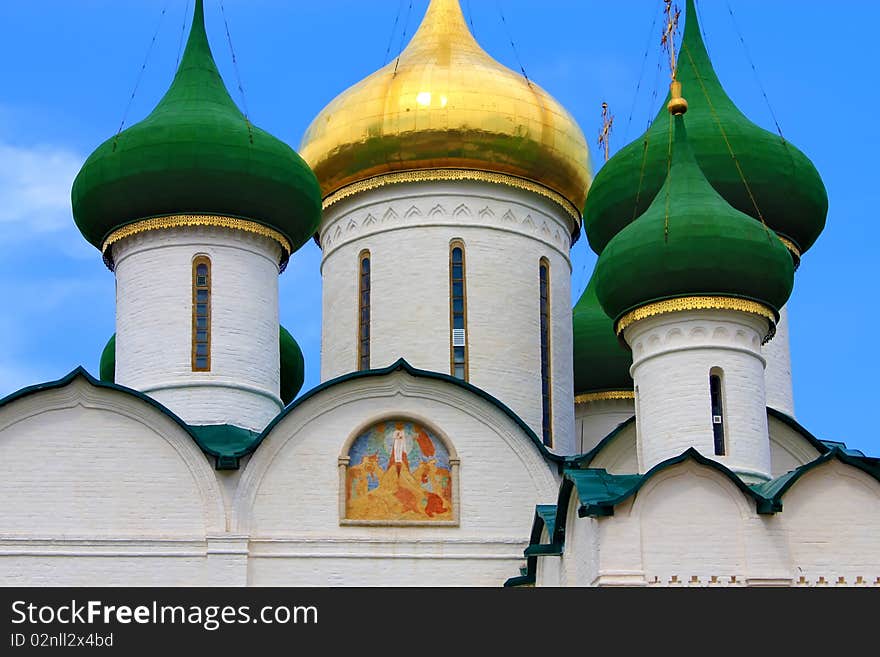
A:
601,363
197,155
445,104
690,245
789,195
292,365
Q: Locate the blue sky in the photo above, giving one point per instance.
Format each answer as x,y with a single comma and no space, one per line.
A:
67,70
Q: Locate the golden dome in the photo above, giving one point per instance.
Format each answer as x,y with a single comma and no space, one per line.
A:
446,104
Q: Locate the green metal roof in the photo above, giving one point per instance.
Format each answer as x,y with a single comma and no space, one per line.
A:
601,363
402,365
545,516
227,444
691,242
196,153
293,366
224,443
786,186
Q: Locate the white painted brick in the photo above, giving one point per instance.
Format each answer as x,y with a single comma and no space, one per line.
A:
154,324
673,355
408,229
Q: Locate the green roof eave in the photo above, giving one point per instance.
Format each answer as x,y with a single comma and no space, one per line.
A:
543,550
522,580
227,444
402,365
775,489
583,461
209,441
545,516
224,440
599,492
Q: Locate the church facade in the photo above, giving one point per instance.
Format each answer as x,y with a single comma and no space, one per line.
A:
470,429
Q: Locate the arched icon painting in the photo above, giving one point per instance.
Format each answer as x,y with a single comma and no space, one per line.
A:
398,471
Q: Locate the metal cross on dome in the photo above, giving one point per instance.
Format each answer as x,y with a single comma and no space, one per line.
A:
605,135
673,13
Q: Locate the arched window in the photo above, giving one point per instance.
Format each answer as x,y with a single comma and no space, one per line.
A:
201,314
458,311
546,398
716,393
364,310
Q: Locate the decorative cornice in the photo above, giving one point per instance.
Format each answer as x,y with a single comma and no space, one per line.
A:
605,395
790,246
698,303
189,220
434,175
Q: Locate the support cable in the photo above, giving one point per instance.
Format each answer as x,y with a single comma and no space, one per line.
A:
140,76
237,75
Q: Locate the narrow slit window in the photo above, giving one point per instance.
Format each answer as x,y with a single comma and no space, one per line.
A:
715,391
458,311
201,311
546,398
364,311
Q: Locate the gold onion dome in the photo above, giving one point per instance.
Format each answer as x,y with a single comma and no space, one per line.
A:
446,104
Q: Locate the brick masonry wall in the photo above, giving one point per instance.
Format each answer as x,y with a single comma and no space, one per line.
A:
154,324
673,355
780,393
408,229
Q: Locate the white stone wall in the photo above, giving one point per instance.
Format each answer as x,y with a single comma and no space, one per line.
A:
619,456
288,501
673,355
831,518
101,488
691,526
154,324
788,450
594,420
408,229
777,353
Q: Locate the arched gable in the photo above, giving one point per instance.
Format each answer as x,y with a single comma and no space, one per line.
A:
84,458
496,449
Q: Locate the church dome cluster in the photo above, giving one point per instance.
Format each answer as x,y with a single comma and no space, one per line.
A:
196,154
446,104
693,208
690,242
757,172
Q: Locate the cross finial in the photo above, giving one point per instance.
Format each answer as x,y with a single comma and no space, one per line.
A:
673,13
605,135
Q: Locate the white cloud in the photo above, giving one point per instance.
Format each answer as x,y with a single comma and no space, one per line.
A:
35,187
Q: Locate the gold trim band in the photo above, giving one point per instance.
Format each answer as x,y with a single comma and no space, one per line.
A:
697,303
789,245
607,394
433,175
181,220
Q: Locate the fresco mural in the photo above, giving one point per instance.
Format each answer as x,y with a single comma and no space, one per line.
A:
398,471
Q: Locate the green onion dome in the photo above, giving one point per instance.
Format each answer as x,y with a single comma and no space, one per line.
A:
196,154
601,363
786,187
691,243
292,365
107,369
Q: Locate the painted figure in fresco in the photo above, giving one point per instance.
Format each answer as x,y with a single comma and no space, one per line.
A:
398,471
398,449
